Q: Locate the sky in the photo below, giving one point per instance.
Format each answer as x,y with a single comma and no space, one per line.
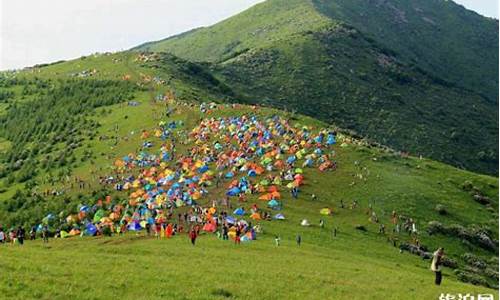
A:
42,31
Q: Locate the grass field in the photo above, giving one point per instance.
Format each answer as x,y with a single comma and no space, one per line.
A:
138,267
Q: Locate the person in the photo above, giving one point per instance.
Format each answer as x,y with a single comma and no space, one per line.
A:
45,234
298,239
33,233
277,240
237,238
193,236
225,230
2,236
436,265
169,231
381,229
334,232
12,236
321,223
20,235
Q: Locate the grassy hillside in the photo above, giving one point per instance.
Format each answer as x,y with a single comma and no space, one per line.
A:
102,125
133,267
425,99
441,37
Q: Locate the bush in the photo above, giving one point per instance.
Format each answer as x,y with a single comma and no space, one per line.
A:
441,209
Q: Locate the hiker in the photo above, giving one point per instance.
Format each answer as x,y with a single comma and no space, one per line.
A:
2,236
169,231
298,239
33,233
225,230
314,197
237,238
321,223
193,236
12,236
45,234
436,265
334,232
158,230
277,240
20,235
381,229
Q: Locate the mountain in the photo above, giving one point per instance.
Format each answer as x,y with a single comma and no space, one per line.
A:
419,76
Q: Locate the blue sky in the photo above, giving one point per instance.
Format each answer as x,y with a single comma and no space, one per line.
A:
40,31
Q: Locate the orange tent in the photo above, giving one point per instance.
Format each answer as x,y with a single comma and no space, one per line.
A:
255,216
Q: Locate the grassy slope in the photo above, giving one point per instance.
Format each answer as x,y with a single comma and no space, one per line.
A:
130,268
410,28
284,52
464,44
361,264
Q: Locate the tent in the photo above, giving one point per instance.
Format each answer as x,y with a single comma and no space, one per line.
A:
134,226
64,234
90,229
233,191
255,216
230,220
209,227
325,211
74,232
279,217
239,211
305,223
273,203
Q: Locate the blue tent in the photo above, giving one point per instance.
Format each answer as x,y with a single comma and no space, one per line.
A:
279,217
134,226
291,159
233,192
230,220
273,203
90,229
229,175
84,208
252,173
331,139
203,169
239,211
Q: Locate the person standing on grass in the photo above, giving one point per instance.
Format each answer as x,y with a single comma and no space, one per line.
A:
298,239
237,238
2,236
193,236
33,233
21,234
277,240
45,234
12,236
437,259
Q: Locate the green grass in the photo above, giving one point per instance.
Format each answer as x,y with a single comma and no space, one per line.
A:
133,267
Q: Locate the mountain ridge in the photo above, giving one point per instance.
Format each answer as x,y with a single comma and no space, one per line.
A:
249,44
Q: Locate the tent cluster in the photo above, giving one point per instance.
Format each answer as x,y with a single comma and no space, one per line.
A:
246,155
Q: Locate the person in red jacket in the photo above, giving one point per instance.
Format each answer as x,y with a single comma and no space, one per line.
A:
193,236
